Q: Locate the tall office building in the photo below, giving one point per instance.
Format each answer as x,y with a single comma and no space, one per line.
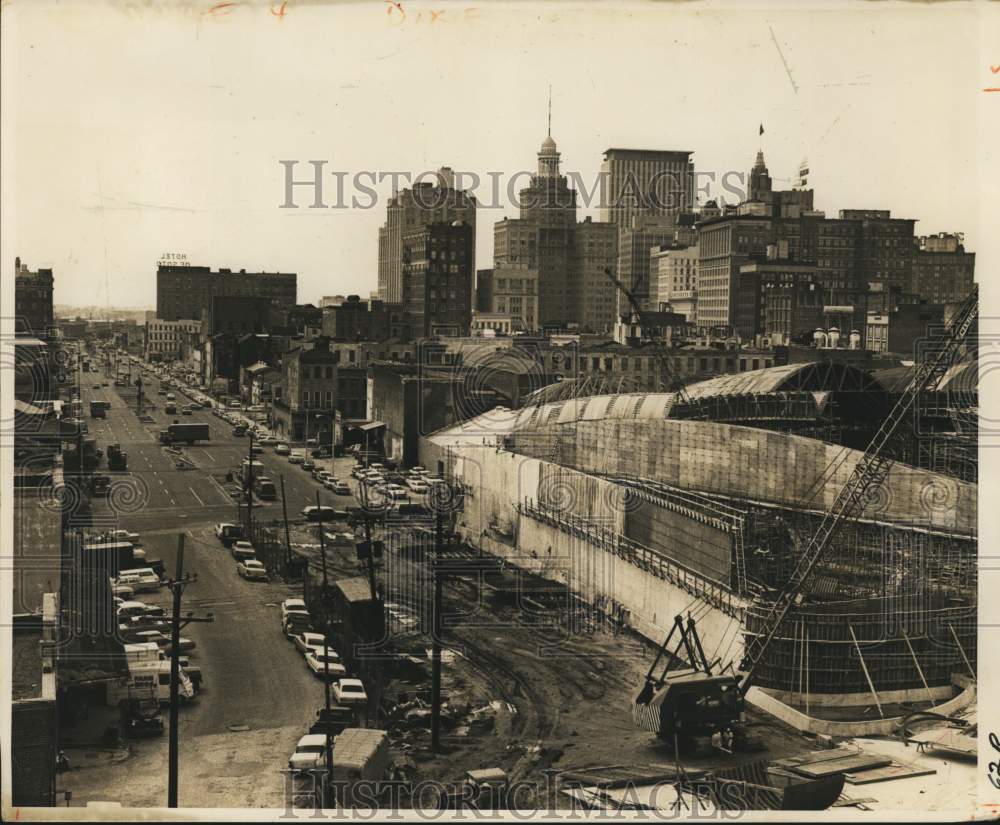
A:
426,203
645,183
438,273
32,300
943,272
566,259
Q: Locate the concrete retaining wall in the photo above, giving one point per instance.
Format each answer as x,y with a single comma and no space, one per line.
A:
496,482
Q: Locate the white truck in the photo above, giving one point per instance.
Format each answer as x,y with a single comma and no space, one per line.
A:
360,754
149,677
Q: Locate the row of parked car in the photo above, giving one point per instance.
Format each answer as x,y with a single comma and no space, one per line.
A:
248,565
324,662
395,485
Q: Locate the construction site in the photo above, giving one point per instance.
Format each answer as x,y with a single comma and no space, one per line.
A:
797,543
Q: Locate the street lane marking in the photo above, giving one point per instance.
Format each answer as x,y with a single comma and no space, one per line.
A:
202,503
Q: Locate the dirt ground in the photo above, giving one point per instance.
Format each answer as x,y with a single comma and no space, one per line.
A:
525,694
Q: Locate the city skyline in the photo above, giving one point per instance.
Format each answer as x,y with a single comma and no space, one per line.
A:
213,193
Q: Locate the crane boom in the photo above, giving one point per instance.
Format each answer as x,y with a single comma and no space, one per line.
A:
868,475
678,386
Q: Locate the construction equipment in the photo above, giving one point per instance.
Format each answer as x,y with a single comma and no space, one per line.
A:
687,706
635,319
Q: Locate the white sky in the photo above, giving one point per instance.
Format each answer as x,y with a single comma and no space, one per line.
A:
128,134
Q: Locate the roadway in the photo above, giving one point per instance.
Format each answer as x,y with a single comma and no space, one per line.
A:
254,679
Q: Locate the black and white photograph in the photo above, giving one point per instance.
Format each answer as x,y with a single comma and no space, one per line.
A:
558,410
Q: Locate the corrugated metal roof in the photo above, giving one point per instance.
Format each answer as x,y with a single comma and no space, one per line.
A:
754,382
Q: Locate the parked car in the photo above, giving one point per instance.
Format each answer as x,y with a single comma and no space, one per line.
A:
292,606
321,661
417,485
308,464
239,430
350,692
310,753
159,638
308,640
282,449
228,533
130,610
252,569
341,488
243,550
418,471
296,622
314,513
139,579
267,441
295,457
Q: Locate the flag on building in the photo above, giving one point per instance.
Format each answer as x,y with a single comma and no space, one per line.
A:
761,129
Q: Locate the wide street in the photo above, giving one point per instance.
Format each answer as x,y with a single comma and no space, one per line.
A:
258,695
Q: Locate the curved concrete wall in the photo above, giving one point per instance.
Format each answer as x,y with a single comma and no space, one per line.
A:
756,464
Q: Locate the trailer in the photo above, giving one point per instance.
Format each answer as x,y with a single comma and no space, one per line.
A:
186,433
359,755
117,460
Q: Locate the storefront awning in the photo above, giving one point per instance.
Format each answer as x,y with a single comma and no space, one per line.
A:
371,425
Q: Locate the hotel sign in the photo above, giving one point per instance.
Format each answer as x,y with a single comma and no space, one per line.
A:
173,259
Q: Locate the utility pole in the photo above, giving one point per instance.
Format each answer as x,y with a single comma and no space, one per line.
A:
436,632
248,483
328,750
284,515
177,588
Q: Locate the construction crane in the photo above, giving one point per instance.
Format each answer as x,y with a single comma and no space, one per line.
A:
635,318
690,706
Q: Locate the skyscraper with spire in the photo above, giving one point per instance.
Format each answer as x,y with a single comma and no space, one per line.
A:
545,259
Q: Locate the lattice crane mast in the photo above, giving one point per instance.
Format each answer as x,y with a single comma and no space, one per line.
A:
693,704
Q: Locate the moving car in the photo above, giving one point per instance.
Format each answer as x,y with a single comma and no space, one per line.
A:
320,662
350,692
282,449
252,570
310,753
295,456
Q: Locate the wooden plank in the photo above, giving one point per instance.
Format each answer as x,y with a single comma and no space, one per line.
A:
897,770
814,756
853,763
